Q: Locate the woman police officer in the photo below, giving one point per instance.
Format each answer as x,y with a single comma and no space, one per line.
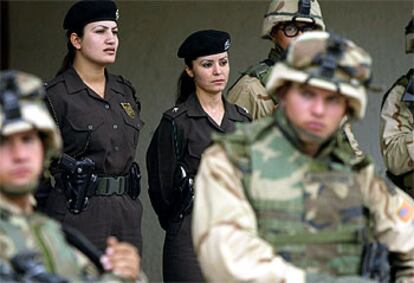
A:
180,139
98,115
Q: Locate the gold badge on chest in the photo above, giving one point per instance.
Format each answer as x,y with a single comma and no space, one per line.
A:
128,109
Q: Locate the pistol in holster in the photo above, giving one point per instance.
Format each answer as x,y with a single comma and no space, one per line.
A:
134,181
375,264
79,182
184,193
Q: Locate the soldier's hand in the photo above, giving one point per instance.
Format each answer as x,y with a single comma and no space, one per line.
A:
122,259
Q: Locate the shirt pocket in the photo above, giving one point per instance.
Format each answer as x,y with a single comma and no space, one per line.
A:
77,135
194,156
134,125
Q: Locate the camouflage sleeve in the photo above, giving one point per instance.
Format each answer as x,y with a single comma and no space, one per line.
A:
392,212
397,133
224,229
353,142
249,93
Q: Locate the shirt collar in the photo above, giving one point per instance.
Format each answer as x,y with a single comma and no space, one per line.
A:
196,110
75,84
276,54
115,83
231,111
194,106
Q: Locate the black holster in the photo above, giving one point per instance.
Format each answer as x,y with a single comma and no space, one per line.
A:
375,264
134,181
183,193
79,181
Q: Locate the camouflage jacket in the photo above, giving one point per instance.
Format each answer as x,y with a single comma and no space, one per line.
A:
227,236
20,232
397,129
249,90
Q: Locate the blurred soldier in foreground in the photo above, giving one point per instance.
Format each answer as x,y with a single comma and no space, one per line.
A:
280,201
397,125
33,247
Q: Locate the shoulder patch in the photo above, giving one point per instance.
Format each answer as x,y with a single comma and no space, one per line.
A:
124,81
406,211
53,82
130,87
175,111
243,111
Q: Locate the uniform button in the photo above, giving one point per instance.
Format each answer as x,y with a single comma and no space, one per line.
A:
90,127
116,148
115,126
106,106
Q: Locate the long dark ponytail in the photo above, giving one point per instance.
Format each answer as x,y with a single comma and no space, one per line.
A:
67,61
185,85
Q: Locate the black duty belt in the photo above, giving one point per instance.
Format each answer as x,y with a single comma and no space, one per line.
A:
111,185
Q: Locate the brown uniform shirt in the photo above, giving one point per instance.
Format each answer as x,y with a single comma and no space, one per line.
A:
104,129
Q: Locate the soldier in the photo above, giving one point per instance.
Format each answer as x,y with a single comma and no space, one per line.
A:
31,243
397,125
284,21
280,201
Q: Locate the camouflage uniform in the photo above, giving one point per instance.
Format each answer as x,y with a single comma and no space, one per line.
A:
20,232
266,212
397,126
22,109
249,90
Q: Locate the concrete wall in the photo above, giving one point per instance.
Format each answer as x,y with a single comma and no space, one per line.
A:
151,32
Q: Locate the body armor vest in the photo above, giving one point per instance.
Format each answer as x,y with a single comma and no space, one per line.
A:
261,71
309,209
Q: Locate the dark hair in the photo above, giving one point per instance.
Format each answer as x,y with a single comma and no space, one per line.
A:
67,61
185,85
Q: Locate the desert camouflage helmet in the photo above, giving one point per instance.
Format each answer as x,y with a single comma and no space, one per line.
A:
409,36
329,62
279,11
22,109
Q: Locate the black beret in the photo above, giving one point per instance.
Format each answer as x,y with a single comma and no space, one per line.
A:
203,43
86,11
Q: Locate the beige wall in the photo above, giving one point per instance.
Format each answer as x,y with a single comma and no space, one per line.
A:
151,31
